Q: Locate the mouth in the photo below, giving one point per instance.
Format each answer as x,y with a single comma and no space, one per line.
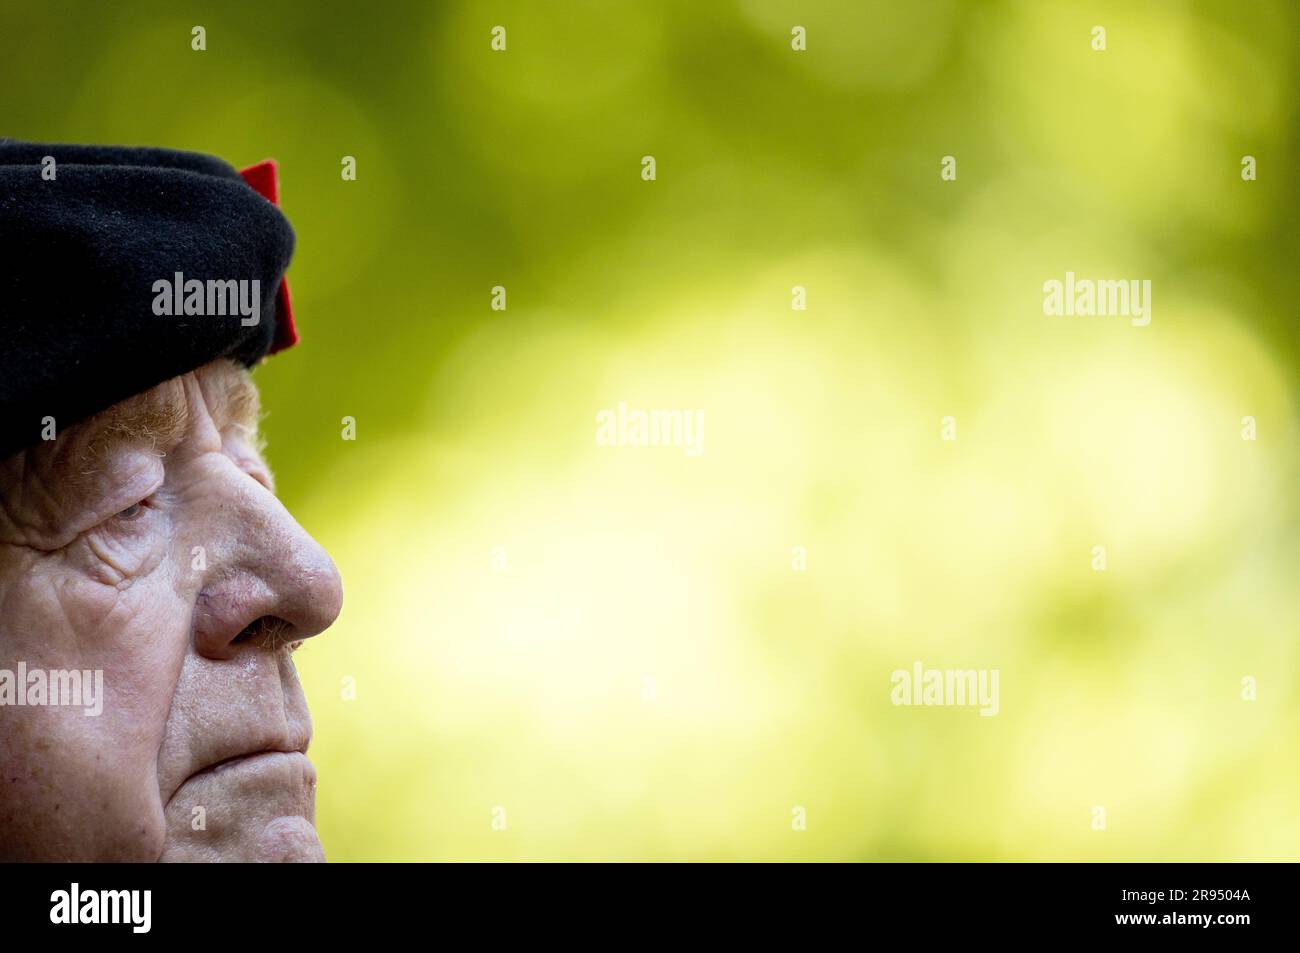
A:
240,759
248,760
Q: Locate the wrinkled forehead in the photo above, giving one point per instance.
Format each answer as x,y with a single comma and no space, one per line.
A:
223,391
156,420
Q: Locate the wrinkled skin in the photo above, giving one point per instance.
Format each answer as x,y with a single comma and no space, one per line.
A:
202,707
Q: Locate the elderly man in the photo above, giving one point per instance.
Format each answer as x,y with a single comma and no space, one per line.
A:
152,587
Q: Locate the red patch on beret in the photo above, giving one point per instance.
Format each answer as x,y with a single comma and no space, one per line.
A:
264,179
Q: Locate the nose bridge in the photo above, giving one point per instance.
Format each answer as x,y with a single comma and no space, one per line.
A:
268,566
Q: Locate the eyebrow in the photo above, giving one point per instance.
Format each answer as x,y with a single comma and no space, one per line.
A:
160,417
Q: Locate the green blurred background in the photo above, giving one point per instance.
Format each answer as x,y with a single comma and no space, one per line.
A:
612,644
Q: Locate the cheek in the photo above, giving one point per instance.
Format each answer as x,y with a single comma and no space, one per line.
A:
87,786
71,793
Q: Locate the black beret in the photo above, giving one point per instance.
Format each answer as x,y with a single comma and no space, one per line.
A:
123,267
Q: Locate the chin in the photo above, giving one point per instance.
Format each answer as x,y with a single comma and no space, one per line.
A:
258,809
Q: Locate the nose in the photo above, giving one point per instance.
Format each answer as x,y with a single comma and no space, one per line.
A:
267,570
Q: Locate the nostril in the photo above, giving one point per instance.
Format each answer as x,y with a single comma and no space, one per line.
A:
250,631
269,631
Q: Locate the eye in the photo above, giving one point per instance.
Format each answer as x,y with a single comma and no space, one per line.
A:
133,512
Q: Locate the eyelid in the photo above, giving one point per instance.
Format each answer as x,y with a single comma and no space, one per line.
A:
139,509
137,488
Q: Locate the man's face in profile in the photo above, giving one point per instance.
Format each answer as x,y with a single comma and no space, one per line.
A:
147,542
